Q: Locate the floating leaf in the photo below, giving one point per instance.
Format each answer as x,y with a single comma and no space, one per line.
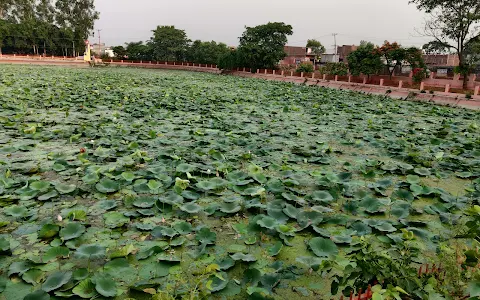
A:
39,185
191,208
56,252
115,219
422,171
243,257
322,196
85,289
275,249
323,247
92,251
71,231
37,295
56,280
63,188
107,185
105,286
206,236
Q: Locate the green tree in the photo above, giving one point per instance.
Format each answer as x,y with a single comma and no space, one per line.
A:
206,52
139,51
393,55
263,46
340,69
169,43
365,60
454,25
120,52
317,49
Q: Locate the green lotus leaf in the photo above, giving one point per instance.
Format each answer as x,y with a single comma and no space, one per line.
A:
56,280
217,282
107,204
19,267
4,245
168,258
323,247
49,195
55,252
183,227
361,228
384,226
105,285
33,276
185,168
161,231
226,263
191,208
106,185
230,207
403,195
291,211
206,185
243,257
413,179
39,185
322,196
128,176
85,289
154,185
400,209
267,222
206,236
190,195
275,249
310,261
90,178
178,241
80,274
144,226
372,205
37,295
91,251
63,188
144,202
17,211
422,171
71,231
59,167
79,215
115,219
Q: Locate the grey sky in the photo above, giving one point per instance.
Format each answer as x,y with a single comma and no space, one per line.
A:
224,20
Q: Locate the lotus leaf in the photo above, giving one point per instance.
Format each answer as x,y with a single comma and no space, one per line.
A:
115,219
63,188
107,185
37,295
206,236
56,280
105,285
191,208
323,247
71,231
85,289
90,251
322,196
243,257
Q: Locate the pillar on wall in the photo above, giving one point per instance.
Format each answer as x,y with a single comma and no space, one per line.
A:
400,84
382,81
301,74
273,72
282,73
324,77
447,88
422,86
291,73
432,75
243,69
364,80
313,75
258,71
336,77
266,71
477,90
456,77
349,78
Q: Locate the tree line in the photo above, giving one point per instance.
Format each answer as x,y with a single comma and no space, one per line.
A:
50,27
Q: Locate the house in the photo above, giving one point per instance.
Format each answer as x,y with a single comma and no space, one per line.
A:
297,55
344,51
329,58
441,60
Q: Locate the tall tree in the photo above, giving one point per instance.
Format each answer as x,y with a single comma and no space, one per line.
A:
263,46
454,24
206,52
317,49
392,54
169,43
365,60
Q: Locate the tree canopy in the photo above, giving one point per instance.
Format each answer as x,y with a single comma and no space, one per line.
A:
57,27
365,60
454,24
169,43
317,48
263,46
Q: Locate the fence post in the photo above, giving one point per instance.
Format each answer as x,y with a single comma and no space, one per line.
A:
336,77
265,72
477,90
422,86
313,75
291,73
258,71
349,78
364,80
382,81
432,75
141,61
410,75
447,88
324,77
400,84
301,74
283,73
243,69
273,72
165,63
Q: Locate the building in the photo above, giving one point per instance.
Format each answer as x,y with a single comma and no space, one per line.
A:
441,60
328,58
99,49
344,51
297,55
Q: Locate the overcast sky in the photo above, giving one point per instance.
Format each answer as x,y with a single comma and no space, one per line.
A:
224,20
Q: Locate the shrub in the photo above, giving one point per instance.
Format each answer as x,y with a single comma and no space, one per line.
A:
419,74
339,69
468,95
305,68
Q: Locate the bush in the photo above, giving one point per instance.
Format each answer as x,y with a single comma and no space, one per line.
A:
339,69
419,74
305,68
